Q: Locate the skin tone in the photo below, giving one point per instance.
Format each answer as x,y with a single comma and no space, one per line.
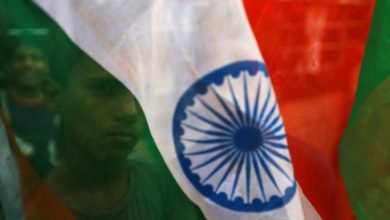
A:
99,129
25,72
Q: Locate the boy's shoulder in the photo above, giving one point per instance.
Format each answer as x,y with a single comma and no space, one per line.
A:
156,181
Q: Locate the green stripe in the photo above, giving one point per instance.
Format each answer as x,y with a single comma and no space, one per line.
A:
365,148
376,62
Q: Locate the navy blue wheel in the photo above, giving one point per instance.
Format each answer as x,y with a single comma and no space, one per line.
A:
231,142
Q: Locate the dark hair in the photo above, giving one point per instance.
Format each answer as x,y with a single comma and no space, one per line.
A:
11,42
64,57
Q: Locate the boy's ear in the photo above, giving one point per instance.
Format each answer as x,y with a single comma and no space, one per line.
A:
52,92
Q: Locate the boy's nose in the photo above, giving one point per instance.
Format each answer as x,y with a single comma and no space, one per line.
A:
126,109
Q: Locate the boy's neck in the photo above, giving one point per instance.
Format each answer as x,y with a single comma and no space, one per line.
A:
89,172
89,187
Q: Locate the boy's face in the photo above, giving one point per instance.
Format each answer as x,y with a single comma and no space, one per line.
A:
27,66
99,115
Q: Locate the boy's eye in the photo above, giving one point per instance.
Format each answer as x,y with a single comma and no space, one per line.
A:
19,57
36,57
106,87
22,57
104,90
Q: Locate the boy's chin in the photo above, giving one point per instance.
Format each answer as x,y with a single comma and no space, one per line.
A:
114,154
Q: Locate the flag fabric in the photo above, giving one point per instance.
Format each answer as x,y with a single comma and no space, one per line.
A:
313,53
196,70
314,50
23,195
10,199
364,152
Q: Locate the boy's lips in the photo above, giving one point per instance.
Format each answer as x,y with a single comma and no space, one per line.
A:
121,134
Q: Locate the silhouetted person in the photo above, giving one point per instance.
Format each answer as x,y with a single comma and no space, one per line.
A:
22,100
100,126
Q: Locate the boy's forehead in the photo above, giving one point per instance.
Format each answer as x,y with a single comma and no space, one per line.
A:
88,69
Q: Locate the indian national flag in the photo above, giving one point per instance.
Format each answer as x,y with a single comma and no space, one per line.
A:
247,134
207,95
